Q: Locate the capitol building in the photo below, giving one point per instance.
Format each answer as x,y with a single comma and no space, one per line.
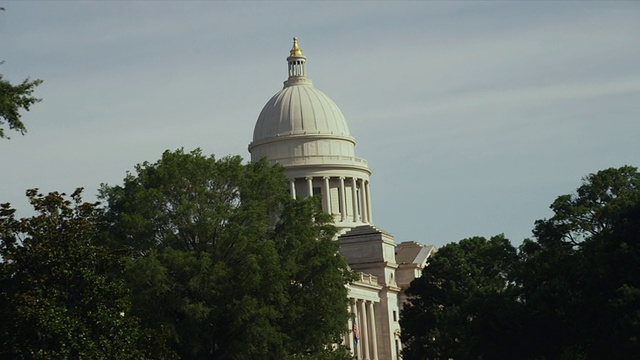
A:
303,130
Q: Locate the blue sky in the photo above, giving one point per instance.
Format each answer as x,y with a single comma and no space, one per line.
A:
474,116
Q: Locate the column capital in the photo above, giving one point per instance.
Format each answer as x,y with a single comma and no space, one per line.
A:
308,178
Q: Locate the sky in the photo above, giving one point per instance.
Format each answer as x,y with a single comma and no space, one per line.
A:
474,116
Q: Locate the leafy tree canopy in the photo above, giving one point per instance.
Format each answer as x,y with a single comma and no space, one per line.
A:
592,210
224,262
447,313
14,99
583,269
573,292
60,296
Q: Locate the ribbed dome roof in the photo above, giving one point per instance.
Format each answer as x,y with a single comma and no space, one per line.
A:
297,110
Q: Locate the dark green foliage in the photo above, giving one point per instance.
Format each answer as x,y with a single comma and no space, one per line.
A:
581,278
210,269
454,307
13,99
60,296
592,211
316,275
574,292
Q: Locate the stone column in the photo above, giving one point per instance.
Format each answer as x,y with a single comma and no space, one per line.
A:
354,199
292,185
374,332
349,337
369,215
363,203
343,201
357,349
310,185
364,331
326,198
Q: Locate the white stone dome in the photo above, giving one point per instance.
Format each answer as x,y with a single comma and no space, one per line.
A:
303,130
300,109
300,126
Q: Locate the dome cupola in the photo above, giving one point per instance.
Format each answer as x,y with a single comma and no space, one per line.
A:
296,62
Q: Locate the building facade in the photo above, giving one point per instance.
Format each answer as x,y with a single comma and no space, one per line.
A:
303,130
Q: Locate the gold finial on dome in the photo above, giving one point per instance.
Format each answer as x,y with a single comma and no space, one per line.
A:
295,50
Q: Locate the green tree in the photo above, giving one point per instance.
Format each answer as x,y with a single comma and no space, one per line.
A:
573,293
457,308
592,210
581,276
13,99
315,279
211,270
60,296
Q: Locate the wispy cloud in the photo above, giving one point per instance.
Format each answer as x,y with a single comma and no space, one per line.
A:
485,108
